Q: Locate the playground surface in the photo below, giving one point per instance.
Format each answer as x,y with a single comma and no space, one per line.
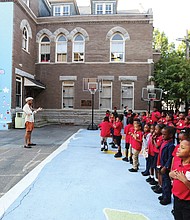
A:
79,182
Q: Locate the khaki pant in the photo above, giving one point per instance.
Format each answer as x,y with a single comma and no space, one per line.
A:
135,159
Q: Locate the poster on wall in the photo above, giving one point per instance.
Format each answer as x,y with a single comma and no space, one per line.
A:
6,36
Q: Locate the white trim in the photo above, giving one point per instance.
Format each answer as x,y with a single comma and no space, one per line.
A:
133,98
23,73
127,78
21,95
67,78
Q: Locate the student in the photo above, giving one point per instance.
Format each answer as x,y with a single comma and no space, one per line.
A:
136,145
155,115
150,158
127,138
164,163
157,141
105,127
146,138
180,175
118,125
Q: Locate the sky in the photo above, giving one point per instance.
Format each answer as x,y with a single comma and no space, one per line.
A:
171,17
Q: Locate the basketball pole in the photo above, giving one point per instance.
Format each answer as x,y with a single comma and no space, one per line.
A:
92,126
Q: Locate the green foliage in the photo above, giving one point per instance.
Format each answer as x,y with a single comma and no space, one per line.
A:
172,72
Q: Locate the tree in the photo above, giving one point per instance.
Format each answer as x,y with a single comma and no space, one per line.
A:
172,72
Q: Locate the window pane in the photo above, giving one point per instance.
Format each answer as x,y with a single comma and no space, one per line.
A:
78,47
79,38
78,57
61,38
61,47
61,57
45,39
45,48
66,10
117,37
117,47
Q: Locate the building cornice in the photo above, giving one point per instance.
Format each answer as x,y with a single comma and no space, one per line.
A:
113,21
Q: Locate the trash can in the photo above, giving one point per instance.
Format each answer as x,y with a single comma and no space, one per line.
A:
20,120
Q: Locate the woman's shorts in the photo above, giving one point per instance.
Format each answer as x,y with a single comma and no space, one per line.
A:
29,126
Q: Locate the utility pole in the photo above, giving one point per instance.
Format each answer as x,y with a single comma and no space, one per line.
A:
186,40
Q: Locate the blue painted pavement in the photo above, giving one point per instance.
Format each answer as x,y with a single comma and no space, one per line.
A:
79,182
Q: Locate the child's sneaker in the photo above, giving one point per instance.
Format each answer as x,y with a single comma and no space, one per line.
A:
102,148
125,159
149,179
118,154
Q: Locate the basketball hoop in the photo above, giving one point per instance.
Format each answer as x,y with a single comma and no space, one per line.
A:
92,87
92,90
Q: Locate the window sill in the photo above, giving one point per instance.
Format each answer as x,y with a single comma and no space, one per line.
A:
26,51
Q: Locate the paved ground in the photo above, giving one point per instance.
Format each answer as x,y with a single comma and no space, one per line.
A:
16,161
79,182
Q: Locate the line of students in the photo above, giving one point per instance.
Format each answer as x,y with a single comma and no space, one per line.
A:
157,143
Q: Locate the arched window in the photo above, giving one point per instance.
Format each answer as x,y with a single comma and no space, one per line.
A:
45,49
78,48
61,49
117,48
25,39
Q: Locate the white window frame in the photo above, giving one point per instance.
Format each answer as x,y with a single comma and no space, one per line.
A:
60,43
65,84
81,52
119,52
62,10
19,80
106,84
40,46
128,85
103,8
25,39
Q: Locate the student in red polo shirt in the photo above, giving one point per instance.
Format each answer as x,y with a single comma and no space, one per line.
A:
181,181
136,145
155,115
105,127
118,125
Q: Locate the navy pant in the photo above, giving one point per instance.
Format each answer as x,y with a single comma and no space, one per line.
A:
166,187
181,209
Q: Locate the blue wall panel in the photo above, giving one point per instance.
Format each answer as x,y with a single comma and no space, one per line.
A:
6,45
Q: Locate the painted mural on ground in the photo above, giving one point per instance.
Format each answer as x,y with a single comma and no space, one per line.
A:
113,214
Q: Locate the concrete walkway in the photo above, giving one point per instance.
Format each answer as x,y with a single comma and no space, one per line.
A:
79,182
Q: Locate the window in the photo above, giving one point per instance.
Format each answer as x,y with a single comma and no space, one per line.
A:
25,39
127,95
117,48
45,49
61,10
18,92
78,48
61,49
68,94
104,8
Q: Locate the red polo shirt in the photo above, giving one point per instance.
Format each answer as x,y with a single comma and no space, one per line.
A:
159,141
105,127
117,128
179,189
136,144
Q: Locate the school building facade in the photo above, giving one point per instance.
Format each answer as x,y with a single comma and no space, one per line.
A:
57,47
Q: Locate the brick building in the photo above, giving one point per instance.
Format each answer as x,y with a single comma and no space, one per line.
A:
58,48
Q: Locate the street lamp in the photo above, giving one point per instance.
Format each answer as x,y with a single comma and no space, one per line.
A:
186,41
